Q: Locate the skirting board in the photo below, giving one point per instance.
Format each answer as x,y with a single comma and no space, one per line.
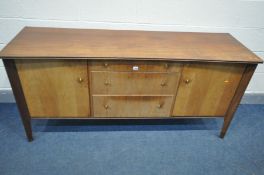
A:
6,96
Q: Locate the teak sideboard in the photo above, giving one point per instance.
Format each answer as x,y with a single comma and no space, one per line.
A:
60,73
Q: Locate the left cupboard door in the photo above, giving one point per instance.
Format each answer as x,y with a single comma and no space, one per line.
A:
55,88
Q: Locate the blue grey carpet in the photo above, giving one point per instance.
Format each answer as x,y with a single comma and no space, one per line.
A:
135,148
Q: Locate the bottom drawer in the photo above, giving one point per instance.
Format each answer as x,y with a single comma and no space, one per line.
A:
132,106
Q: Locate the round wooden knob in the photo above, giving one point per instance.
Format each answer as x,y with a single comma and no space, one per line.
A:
163,84
187,81
107,83
166,66
106,106
80,79
105,64
159,106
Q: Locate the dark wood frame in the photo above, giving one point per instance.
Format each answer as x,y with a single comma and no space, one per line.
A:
248,73
26,118
14,80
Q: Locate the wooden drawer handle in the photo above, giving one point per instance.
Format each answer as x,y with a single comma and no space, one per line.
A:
163,84
106,106
107,83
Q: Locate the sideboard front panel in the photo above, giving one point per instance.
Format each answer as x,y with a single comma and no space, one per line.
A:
55,88
206,89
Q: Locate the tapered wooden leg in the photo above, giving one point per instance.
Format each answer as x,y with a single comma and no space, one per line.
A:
237,97
19,96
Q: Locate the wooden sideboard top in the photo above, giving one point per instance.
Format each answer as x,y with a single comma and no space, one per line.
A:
59,43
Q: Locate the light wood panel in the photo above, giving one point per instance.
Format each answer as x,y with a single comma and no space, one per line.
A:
207,89
135,66
53,88
139,83
58,43
132,106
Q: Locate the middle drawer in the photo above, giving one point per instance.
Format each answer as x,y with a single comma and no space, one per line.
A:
134,83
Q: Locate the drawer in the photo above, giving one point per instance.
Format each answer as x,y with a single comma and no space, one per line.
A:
135,66
132,106
139,83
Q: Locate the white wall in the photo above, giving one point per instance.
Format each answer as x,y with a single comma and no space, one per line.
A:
242,18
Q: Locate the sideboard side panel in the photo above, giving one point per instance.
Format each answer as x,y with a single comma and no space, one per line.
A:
19,96
248,73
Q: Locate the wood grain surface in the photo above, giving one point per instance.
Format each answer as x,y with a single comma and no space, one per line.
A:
15,83
132,106
137,83
248,73
129,66
52,88
58,43
207,89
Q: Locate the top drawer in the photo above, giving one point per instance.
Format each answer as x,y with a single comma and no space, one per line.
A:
137,66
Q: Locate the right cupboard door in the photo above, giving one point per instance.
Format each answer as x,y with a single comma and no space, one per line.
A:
207,89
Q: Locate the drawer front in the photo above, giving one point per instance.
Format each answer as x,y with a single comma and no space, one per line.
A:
135,66
139,83
132,106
